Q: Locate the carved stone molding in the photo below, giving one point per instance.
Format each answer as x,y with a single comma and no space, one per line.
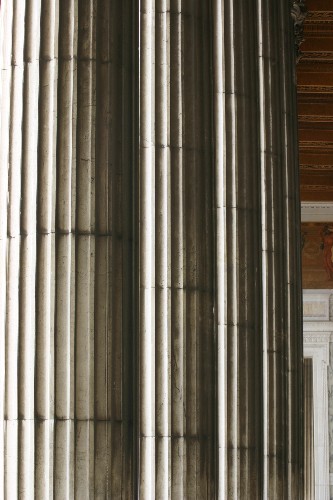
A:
317,212
318,332
317,338
320,16
318,56
298,13
315,88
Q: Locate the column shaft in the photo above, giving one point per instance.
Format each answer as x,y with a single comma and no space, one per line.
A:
291,258
178,292
150,311
45,268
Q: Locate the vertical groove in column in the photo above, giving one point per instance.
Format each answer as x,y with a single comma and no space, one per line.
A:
178,331
277,170
276,351
191,271
65,254
264,263
85,253
206,227
284,22
130,140
15,153
291,217
147,253
249,264
231,250
242,261
121,206
11,334
115,249
275,277
198,252
220,294
45,274
103,253
27,284
163,227
117,242
12,339
6,26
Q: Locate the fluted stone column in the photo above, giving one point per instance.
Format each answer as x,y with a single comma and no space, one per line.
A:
69,144
149,250
282,341
260,351
177,335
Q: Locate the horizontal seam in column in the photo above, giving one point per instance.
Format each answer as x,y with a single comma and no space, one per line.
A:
240,208
271,153
48,59
253,448
242,325
198,437
30,61
272,252
185,288
59,232
237,93
188,148
59,419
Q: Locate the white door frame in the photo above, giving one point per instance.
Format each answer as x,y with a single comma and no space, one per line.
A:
316,339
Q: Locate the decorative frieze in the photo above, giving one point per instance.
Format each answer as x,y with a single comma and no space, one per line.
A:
320,16
316,307
317,212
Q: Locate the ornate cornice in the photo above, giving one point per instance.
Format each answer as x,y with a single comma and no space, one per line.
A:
310,205
317,338
315,118
319,329
298,13
320,16
320,89
324,146
318,56
315,168
316,187
316,212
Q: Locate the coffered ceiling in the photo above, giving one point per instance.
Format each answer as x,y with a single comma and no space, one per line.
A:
315,103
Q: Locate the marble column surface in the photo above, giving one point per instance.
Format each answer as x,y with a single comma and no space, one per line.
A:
150,301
